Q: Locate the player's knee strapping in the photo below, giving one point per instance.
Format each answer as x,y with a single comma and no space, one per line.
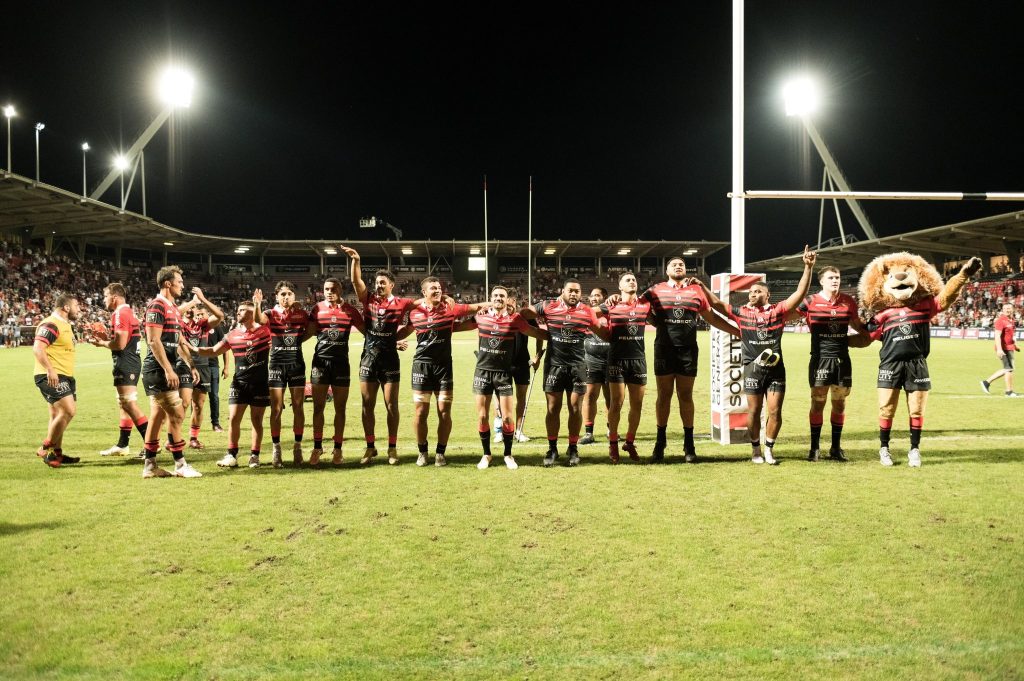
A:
125,400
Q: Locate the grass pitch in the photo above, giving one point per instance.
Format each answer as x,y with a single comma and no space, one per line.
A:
720,569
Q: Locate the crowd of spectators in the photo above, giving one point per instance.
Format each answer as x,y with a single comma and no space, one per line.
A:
980,302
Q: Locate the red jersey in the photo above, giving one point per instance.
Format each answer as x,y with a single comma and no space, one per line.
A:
162,314
497,334
333,324
251,350
123,319
568,326
434,331
381,317
829,322
760,329
1006,330
626,325
286,329
197,333
675,310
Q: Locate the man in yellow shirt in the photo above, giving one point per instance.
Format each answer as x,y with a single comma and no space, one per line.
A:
54,350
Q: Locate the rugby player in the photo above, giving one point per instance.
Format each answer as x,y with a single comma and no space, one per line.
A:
198,317
124,350
764,372
522,364
1006,345
54,374
434,320
829,314
379,364
331,320
596,364
161,378
627,363
676,304
249,344
287,322
568,319
498,328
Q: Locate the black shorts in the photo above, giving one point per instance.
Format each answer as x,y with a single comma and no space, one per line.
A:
521,375
632,371
330,372
824,371
1008,360
488,382
596,374
560,378
759,379
184,374
247,393
65,387
155,382
287,376
670,360
380,367
906,374
203,385
127,370
428,377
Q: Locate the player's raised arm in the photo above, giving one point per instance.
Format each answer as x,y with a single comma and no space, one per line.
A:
714,301
216,315
355,273
805,280
716,321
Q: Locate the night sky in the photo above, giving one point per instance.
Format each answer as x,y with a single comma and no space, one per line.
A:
308,116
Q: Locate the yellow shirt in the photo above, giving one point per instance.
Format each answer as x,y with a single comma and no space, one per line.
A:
59,339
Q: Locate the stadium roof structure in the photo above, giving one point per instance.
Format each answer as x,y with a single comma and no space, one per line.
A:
997,235
41,211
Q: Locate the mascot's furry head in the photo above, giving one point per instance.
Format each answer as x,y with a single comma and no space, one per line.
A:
897,280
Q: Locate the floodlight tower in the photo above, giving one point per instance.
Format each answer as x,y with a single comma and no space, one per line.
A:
802,100
175,92
39,128
85,148
9,113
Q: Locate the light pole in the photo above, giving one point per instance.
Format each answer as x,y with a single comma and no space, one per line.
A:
801,97
120,165
39,129
9,113
85,148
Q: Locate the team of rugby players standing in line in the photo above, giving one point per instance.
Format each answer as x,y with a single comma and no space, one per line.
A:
594,346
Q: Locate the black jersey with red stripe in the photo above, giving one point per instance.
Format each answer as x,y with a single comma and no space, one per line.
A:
333,325
433,328
286,329
197,333
905,331
626,325
497,333
382,317
568,326
163,314
123,319
596,347
675,311
760,328
829,321
251,351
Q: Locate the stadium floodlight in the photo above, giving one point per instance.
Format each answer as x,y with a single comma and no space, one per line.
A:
801,96
168,243
175,87
330,251
120,165
85,148
690,251
624,251
9,113
475,250
39,128
406,250
549,251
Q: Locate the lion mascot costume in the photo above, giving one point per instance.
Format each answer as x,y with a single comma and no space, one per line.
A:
902,292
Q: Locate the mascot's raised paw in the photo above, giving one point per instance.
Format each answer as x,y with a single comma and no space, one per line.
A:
973,266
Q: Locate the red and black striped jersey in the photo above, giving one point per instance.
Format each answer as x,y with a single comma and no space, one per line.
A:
123,319
163,314
675,310
829,322
497,333
197,334
568,326
286,329
381,318
626,325
905,331
251,350
333,324
760,329
434,331
596,347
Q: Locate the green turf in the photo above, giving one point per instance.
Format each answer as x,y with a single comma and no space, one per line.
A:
722,569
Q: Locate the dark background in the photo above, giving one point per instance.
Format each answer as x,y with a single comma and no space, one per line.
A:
308,116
